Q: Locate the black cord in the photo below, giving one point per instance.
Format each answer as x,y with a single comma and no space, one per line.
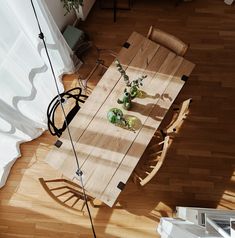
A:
79,172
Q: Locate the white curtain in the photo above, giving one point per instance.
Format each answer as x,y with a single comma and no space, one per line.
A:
26,82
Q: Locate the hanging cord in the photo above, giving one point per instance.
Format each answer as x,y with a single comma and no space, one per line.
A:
78,172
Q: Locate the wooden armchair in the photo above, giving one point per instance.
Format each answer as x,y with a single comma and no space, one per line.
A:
178,117
152,160
66,193
167,40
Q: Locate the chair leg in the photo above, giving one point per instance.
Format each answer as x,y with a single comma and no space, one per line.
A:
114,10
177,2
163,133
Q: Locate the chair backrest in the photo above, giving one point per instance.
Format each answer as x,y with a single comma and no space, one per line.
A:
152,162
66,193
178,117
167,40
76,94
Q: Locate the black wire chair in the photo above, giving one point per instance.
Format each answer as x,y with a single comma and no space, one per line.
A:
76,94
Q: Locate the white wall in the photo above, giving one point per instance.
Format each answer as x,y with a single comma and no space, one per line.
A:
57,11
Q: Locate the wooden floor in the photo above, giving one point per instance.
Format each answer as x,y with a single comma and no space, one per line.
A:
200,167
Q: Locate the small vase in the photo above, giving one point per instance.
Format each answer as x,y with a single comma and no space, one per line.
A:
126,100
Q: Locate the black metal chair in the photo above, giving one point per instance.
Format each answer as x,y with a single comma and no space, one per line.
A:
75,94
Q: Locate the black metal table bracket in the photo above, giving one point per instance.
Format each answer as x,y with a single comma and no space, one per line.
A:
126,45
184,78
121,185
58,143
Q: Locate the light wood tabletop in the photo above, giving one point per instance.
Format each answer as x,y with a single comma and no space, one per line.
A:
108,154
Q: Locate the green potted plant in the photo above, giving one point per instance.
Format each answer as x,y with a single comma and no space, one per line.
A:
132,89
72,5
81,7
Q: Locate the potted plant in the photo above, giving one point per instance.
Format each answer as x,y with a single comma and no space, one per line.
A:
81,7
72,5
132,87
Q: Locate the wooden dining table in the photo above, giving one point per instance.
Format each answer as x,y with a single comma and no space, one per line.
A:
107,154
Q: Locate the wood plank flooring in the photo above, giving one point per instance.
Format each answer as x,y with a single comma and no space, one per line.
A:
200,167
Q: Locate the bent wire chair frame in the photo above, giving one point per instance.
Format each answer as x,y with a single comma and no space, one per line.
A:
56,101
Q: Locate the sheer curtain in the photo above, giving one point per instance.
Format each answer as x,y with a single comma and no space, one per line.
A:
26,83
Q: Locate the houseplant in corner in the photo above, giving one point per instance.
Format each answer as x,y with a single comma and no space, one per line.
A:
81,7
72,5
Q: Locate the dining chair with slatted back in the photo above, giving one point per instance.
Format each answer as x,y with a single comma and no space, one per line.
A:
167,40
66,193
152,160
179,115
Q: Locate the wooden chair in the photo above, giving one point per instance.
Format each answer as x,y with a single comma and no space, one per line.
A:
66,193
167,40
152,160
179,114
